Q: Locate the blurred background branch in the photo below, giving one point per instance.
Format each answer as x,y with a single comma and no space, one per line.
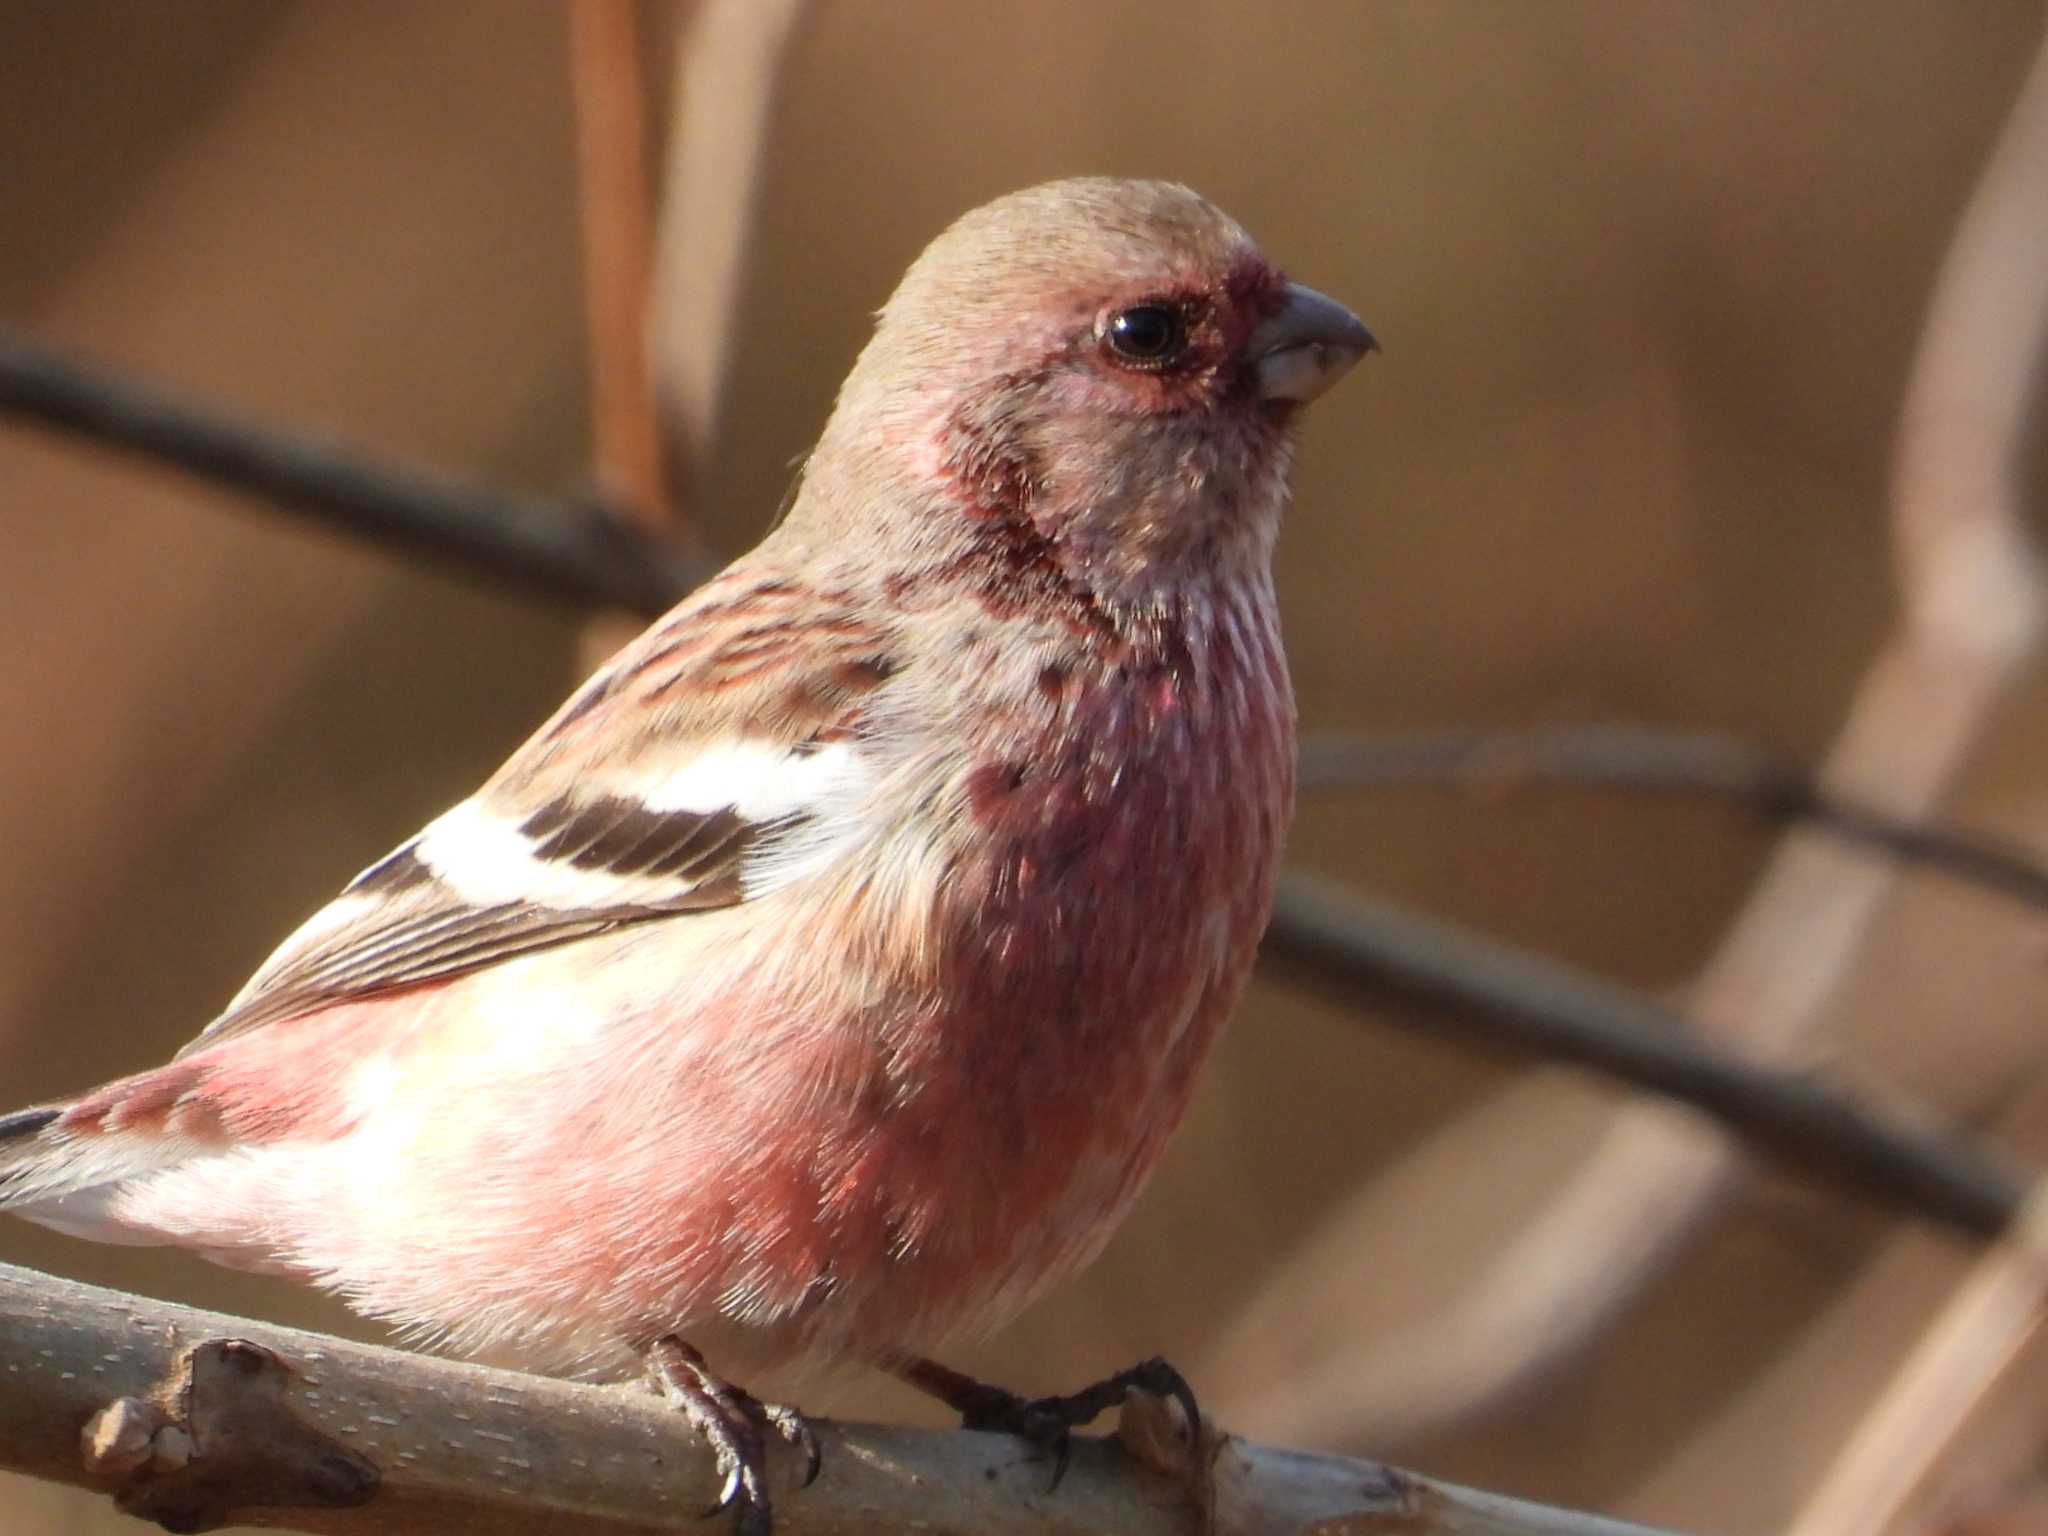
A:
574,554
1974,586
1637,757
1376,956
1973,1340
618,243
727,71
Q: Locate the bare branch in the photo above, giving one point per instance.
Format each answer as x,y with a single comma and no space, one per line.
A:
575,554
1976,598
1974,1340
1638,757
728,65
191,1417
611,167
1373,954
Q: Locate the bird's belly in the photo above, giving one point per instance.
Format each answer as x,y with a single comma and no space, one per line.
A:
873,1175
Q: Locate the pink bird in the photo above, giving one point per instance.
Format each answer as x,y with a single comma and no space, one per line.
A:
823,981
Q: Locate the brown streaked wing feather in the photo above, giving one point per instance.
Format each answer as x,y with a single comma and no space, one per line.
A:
427,932
615,836
765,659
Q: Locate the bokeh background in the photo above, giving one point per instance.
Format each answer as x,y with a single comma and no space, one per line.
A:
1649,278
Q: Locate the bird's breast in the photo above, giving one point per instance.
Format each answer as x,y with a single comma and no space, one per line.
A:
1111,877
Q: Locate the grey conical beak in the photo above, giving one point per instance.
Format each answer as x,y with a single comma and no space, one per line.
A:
1308,346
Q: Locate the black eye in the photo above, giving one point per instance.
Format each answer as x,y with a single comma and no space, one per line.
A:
1146,334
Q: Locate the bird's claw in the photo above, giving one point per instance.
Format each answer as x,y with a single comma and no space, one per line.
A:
1040,1422
794,1430
732,1421
1047,1424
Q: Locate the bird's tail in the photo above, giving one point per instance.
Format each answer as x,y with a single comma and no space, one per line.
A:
26,1122
62,1175
28,1151
22,1145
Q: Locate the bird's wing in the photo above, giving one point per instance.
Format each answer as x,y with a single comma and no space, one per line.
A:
721,755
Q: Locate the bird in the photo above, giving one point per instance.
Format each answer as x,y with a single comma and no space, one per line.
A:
824,979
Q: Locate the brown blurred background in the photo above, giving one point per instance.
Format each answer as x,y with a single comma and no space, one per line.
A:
1648,278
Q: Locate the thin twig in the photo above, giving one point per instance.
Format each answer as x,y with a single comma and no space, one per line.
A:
1374,955
1972,603
193,1416
610,90
1638,757
1973,1341
1976,594
611,163
577,554
728,65
1348,947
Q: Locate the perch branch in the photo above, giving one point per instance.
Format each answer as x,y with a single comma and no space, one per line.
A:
1636,757
193,1417
1356,950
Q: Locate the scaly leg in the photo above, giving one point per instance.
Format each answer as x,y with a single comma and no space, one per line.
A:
732,1421
1048,1423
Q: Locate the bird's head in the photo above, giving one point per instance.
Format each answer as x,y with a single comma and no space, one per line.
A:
1111,365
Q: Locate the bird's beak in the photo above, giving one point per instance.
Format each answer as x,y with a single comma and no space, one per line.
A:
1305,348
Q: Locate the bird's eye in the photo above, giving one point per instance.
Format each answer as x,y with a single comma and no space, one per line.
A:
1148,335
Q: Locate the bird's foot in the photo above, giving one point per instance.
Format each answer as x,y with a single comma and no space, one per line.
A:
735,1423
1048,1423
